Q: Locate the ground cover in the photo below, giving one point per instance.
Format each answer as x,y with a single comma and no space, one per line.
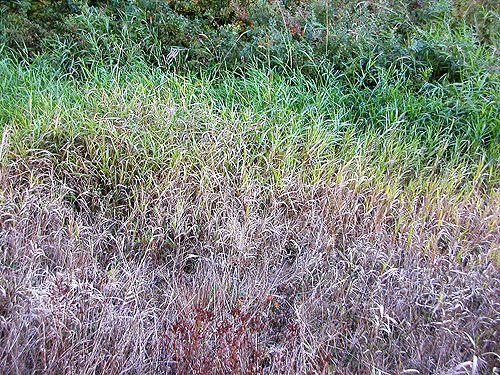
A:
257,219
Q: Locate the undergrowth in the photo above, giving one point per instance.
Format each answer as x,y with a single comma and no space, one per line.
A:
281,215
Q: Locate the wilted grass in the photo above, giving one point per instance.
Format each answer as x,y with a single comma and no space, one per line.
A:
252,223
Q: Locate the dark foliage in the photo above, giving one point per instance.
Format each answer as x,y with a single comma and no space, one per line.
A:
305,35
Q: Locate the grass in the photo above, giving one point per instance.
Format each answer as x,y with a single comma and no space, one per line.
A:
247,222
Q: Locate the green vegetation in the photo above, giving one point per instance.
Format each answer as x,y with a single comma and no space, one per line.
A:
249,187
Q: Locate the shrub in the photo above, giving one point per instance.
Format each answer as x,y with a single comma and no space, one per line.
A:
355,38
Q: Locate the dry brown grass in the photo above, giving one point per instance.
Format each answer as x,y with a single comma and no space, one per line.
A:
330,282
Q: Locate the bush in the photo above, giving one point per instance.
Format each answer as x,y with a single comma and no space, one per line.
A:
355,38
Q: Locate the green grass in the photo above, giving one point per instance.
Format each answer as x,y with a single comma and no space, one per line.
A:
96,124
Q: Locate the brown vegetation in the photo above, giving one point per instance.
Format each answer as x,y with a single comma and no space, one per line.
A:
300,279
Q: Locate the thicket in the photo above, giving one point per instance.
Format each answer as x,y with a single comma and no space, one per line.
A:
355,37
